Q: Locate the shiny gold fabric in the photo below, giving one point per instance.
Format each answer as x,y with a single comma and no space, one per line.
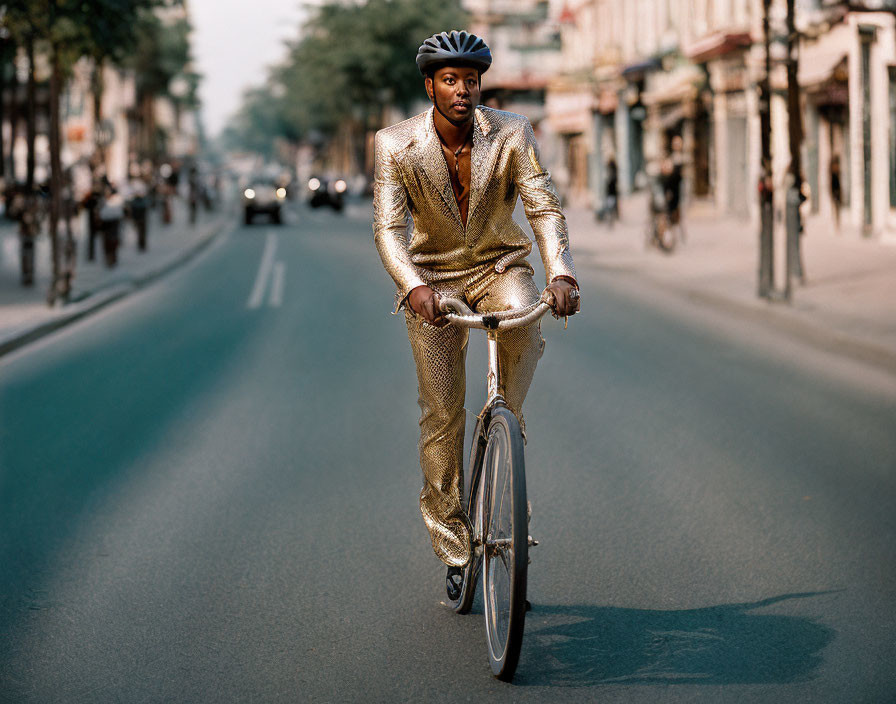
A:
440,355
421,239
417,225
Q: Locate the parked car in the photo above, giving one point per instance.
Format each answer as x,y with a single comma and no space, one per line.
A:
262,196
327,192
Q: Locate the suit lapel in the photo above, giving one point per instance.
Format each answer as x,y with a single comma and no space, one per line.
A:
482,159
434,166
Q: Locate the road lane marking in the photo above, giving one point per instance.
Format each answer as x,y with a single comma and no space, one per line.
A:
277,284
264,272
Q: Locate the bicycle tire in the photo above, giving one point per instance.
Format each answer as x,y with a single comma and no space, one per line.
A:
505,554
464,602
668,238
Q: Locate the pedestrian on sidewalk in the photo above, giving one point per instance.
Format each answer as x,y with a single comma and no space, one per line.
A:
836,190
23,208
611,192
167,188
193,188
91,202
138,207
111,213
797,267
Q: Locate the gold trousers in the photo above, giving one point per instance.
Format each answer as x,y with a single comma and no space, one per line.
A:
440,355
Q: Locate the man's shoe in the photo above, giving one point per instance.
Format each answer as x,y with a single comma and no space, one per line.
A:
454,582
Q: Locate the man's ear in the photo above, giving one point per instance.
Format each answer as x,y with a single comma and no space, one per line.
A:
427,82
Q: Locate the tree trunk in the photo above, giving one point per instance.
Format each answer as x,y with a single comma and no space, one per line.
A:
794,265
147,112
766,192
3,62
13,118
58,285
30,115
97,88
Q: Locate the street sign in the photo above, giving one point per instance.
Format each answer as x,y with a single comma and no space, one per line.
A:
105,133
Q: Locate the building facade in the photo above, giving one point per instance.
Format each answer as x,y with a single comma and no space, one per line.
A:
634,80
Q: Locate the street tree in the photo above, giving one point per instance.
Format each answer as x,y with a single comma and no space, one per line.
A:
161,55
349,64
65,31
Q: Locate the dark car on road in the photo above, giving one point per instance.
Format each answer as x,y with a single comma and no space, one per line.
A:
265,197
329,192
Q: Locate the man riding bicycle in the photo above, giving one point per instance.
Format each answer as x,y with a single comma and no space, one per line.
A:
457,170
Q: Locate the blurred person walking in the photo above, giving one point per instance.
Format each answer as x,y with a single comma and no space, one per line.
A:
91,202
138,207
611,192
193,193
23,209
111,213
836,190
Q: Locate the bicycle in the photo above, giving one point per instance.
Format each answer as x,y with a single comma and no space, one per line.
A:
495,499
662,227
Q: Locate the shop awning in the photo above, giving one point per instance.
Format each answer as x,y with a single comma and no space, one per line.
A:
640,68
715,45
812,74
819,59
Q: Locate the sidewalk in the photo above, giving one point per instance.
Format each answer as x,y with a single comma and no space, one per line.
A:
848,303
24,313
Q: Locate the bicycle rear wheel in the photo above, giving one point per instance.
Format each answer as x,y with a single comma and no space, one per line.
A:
505,550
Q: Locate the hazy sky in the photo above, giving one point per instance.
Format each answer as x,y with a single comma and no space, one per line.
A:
233,42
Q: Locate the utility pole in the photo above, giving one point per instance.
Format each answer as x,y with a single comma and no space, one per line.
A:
766,190
794,265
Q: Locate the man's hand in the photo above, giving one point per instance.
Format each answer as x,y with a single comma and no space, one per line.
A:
425,303
566,297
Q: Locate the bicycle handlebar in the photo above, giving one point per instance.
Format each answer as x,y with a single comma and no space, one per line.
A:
459,313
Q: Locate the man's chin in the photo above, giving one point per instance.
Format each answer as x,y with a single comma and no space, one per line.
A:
457,117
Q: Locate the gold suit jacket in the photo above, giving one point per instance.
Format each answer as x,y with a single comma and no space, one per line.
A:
417,225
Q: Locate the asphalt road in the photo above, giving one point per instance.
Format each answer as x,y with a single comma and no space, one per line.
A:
208,493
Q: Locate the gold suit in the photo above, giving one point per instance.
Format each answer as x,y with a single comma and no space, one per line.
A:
422,240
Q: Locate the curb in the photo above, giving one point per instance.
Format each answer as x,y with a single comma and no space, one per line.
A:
779,319
93,301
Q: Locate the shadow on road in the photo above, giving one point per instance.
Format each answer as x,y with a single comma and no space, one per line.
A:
580,646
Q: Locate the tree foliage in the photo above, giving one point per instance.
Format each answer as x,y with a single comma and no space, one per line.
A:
102,29
161,53
350,61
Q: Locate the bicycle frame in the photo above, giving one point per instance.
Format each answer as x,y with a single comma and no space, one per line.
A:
459,313
500,541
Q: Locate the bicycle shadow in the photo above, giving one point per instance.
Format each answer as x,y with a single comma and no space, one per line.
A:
585,645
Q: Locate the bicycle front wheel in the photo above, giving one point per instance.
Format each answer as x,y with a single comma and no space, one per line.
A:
473,504
505,549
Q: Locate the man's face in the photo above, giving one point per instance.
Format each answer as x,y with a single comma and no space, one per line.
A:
455,92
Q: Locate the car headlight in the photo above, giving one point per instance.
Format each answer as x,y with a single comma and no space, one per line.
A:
340,186
249,193
281,193
314,184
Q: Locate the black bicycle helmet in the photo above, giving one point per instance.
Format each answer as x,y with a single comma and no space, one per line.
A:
455,47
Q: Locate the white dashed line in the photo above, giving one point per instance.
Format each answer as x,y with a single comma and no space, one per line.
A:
264,272
277,284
